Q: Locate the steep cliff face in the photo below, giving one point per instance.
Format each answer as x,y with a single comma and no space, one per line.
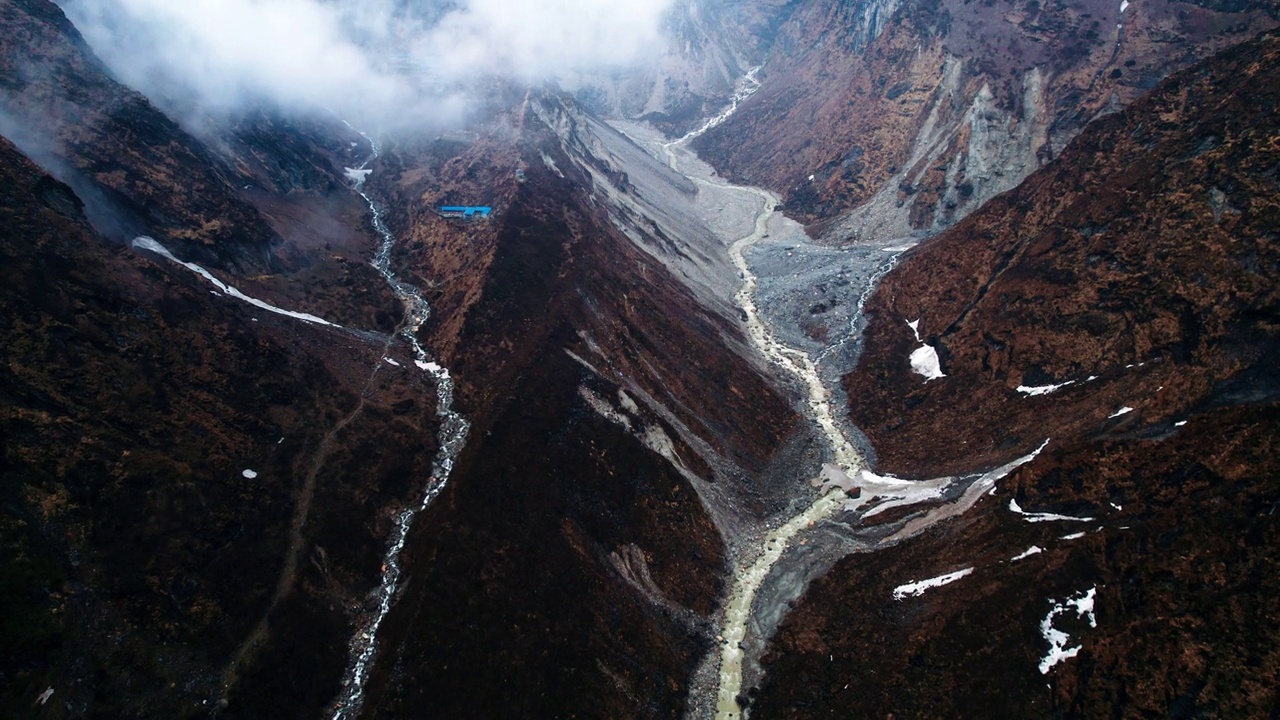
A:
913,115
1121,305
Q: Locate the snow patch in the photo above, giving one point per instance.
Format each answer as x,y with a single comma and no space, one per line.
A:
1072,536
1037,517
357,175
432,367
917,588
1033,390
1122,411
915,328
1033,550
924,361
146,243
391,362
1058,651
1124,4
1180,423
43,697
251,474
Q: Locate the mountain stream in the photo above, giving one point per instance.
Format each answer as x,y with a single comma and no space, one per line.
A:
779,266
452,438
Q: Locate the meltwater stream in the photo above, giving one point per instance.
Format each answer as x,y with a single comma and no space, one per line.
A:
754,562
760,560
452,438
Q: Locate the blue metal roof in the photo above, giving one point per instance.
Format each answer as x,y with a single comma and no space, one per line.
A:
467,210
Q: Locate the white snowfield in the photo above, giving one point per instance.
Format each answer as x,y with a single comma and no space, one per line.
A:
1058,651
1036,517
924,361
1033,390
357,176
916,589
150,244
1033,550
1122,411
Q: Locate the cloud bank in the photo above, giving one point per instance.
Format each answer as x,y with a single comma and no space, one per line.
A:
365,59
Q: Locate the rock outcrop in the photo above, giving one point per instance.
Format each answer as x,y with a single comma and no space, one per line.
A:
901,118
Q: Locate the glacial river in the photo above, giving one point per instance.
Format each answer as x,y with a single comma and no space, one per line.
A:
752,565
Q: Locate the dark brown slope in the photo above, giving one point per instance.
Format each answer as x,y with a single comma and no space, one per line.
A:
1186,594
1144,257
1121,252
569,570
141,172
137,557
983,91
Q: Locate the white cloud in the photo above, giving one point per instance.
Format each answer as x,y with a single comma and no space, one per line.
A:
350,55
539,39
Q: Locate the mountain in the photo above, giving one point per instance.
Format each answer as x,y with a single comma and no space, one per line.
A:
1138,279
139,170
606,396
572,566
885,120
139,551
708,47
284,439
1141,259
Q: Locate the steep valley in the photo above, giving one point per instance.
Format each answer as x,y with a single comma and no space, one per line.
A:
992,433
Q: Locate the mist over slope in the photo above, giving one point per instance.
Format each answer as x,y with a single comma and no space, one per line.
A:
378,63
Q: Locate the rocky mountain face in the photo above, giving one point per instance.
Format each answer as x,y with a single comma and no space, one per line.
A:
1127,316
202,474
197,499
901,118
137,169
1142,259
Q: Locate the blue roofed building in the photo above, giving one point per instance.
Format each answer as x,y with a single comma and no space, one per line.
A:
467,212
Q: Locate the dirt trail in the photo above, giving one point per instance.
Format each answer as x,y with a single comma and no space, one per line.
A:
302,510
